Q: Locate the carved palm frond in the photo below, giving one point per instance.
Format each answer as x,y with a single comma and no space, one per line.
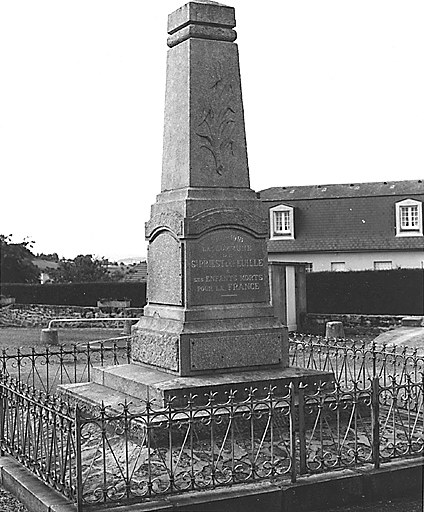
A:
218,119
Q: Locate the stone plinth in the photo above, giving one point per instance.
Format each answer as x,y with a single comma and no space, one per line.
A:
193,348
136,384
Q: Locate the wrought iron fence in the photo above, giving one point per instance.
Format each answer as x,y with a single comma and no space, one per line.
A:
98,457
38,430
143,454
44,368
362,425
350,361
175,449
356,361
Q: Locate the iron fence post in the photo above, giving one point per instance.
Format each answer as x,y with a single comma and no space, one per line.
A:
374,361
292,432
415,359
302,429
88,363
78,458
375,421
409,390
127,455
128,350
4,361
1,417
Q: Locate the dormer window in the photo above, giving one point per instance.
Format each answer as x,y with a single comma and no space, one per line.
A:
282,222
409,218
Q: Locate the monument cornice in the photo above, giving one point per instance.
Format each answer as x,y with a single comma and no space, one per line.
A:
202,32
212,218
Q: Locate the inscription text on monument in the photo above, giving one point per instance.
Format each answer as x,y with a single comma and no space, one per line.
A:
227,267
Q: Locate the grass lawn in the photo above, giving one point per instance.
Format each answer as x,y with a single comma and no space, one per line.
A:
13,337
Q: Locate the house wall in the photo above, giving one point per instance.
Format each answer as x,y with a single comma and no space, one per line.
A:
354,261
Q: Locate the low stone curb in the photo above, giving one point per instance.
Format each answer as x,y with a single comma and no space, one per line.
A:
29,490
310,493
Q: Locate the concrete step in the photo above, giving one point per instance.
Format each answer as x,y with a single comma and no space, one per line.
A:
95,395
134,380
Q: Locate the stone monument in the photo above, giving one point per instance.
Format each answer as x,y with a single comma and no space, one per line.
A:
208,323
208,291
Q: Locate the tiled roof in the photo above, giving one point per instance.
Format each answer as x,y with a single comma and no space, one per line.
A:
386,188
137,272
345,217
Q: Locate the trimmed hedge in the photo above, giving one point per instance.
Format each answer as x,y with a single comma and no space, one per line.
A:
77,294
370,292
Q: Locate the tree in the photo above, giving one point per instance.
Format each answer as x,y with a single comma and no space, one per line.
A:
15,262
82,269
48,257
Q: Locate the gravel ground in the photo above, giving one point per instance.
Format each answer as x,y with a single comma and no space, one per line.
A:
8,503
411,337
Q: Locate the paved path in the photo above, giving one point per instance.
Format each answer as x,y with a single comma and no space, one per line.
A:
412,337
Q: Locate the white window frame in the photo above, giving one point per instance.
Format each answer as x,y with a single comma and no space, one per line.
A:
338,266
383,265
408,229
287,231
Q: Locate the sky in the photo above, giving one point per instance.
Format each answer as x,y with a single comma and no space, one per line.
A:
332,92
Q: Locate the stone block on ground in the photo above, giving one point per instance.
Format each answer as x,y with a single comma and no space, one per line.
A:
334,330
413,321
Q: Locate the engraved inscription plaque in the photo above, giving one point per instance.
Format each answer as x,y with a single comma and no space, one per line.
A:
227,266
235,351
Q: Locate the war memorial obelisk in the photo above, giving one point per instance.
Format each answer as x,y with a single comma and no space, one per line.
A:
208,293
208,324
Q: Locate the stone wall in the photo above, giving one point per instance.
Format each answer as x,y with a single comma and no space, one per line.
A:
37,315
314,323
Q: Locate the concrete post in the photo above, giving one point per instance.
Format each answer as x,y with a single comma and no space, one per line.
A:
127,327
334,330
49,336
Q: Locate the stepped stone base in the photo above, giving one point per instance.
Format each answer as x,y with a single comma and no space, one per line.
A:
114,384
201,346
